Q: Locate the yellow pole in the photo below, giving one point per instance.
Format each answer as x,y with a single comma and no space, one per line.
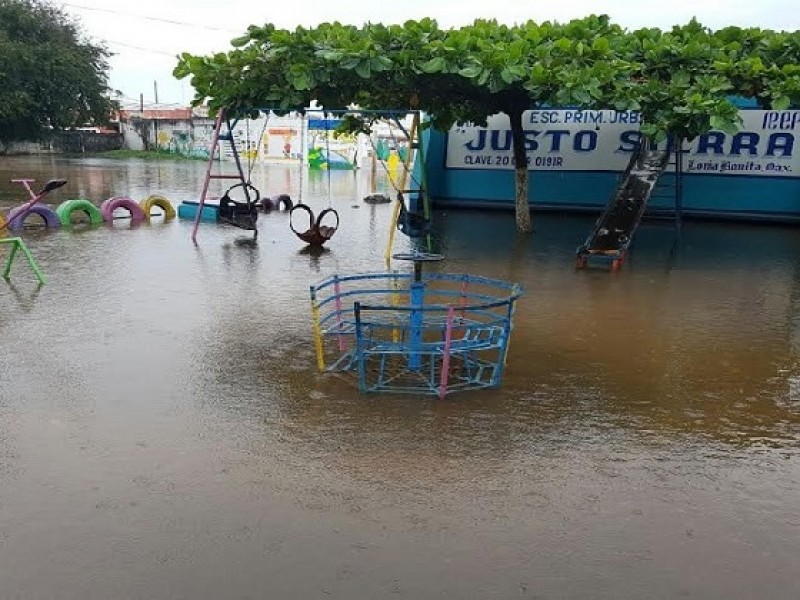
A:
403,182
317,334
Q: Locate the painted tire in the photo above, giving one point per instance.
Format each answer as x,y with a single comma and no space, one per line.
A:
47,214
108,207
65,210
2,224
156,201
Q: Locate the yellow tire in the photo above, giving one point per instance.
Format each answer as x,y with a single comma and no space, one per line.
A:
156,201
3,227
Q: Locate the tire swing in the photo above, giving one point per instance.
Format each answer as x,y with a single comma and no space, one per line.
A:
317,234
243,215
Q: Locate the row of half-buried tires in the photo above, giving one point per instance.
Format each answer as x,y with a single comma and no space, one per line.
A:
18,217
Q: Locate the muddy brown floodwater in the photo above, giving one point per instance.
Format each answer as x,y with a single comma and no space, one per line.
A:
164,433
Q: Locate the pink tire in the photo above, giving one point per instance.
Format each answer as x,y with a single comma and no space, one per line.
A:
108,207
18,216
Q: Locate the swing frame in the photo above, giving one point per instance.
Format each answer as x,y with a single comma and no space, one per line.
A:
400,210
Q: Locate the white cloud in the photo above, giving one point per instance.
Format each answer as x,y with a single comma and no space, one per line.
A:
145,48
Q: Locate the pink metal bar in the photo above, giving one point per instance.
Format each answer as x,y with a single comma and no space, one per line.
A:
448,338
26,183
337,290
207,180
26,208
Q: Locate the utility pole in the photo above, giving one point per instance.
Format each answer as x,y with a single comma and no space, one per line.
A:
155,112
144,133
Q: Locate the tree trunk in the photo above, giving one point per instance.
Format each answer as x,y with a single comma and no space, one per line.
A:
523,209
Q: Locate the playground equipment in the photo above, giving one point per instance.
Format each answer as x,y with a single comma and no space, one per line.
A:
62,215
157,201
240,214
108,207
16,245
420,333
81,205
317,234
16,218
613,232
413,218
47,214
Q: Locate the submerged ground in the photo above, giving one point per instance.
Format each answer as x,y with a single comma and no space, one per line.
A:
164,433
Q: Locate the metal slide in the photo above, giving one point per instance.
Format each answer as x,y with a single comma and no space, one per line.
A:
613,231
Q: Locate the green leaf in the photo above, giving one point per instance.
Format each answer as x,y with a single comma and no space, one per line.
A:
471,72
719,123
240,41
601,45
681,78
363,69
434,65
781,103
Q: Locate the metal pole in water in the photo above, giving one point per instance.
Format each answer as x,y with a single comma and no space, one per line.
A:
448,338
415,332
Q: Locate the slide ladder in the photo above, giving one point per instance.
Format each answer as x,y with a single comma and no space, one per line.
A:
222,122
612,233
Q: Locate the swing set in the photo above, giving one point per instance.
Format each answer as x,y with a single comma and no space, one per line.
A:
244,214
411,214
412,218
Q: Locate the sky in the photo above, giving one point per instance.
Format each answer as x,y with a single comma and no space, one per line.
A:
146,36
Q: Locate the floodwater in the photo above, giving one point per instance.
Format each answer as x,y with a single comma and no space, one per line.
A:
164,433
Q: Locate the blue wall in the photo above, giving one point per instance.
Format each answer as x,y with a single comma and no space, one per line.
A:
728,196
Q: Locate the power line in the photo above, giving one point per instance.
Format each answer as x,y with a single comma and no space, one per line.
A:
149,18
162,52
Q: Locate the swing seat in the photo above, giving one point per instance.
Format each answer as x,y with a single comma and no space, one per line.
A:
414,225
243,215
317,234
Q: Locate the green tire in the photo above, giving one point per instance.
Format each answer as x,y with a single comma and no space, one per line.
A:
65,210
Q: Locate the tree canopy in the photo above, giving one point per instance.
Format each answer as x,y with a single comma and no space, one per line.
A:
50,76
467,73
680,80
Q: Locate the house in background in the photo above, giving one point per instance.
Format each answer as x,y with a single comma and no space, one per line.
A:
184,131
